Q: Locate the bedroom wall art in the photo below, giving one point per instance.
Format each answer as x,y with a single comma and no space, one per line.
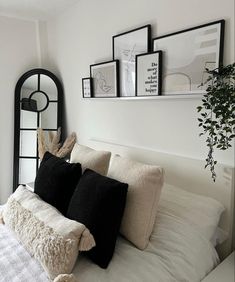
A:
105,78
187,54
148,74
87,87
125,48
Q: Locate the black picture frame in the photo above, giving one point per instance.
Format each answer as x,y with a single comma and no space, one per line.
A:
186,55
87,87
148,80
105,79
125,47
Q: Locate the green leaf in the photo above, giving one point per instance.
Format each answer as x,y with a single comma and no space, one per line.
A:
218,112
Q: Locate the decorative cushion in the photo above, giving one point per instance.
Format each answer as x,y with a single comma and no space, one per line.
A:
145,183
98,202
90,158
56,181
47,235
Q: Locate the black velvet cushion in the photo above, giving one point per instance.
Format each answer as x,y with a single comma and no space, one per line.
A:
98,202
56,181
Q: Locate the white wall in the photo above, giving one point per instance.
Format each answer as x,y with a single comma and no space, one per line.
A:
83,36
18,53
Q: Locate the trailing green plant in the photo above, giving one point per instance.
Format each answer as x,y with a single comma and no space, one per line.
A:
217,112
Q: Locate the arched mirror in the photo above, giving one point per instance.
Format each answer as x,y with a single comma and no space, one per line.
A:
38,103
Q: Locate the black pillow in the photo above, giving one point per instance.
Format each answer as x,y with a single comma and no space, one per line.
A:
98,202
56,181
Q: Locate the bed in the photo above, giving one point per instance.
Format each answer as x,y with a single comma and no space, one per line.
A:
167,258
183,255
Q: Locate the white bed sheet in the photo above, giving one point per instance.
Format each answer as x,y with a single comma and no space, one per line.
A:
177,252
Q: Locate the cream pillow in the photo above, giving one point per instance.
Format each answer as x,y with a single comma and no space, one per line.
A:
145,184
90,158
47,235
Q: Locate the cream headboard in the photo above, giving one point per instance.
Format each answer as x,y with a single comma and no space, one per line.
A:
188,174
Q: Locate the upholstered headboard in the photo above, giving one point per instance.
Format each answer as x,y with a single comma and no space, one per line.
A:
188,174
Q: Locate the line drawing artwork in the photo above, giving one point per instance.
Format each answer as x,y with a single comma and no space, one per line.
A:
187,55
126,46
129,68
101,83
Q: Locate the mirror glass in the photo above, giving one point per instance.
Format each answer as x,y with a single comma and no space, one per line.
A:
38,101
48,86
28,119
49,118
28,143
39,94
30,85
27,170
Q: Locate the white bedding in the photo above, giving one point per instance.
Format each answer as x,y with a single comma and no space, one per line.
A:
174,254
177,252
16,264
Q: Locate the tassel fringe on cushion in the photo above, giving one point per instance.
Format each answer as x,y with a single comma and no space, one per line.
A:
86,241
65,278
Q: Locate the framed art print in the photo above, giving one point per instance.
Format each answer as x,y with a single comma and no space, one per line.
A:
87,87
125,48
105,77
149,74
187,54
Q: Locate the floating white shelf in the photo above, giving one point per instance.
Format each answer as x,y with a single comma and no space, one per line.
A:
161,97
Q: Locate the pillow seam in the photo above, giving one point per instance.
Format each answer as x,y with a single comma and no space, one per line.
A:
152,217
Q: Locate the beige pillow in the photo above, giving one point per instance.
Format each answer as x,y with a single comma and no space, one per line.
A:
145,183
47,235
90,158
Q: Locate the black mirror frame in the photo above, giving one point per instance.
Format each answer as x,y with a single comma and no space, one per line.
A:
17,107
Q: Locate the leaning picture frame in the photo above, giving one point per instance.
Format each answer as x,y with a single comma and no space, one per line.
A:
126,46
87,87
187,55
149,74
105,79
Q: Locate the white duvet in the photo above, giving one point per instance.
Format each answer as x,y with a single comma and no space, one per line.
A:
177,252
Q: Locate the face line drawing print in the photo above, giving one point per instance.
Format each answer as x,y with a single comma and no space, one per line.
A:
102,83
203,53
131,59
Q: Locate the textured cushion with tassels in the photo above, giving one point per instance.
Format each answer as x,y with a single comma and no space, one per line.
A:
52,239
65,278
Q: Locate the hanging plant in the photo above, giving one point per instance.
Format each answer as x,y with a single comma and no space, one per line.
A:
217,112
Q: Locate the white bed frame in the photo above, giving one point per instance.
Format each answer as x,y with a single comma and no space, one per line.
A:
188,174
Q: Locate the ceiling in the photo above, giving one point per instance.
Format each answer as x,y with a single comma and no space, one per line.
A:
34,9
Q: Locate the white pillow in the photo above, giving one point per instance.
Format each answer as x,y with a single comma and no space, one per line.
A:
201,211
219,237
90,158
144,189
50,237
